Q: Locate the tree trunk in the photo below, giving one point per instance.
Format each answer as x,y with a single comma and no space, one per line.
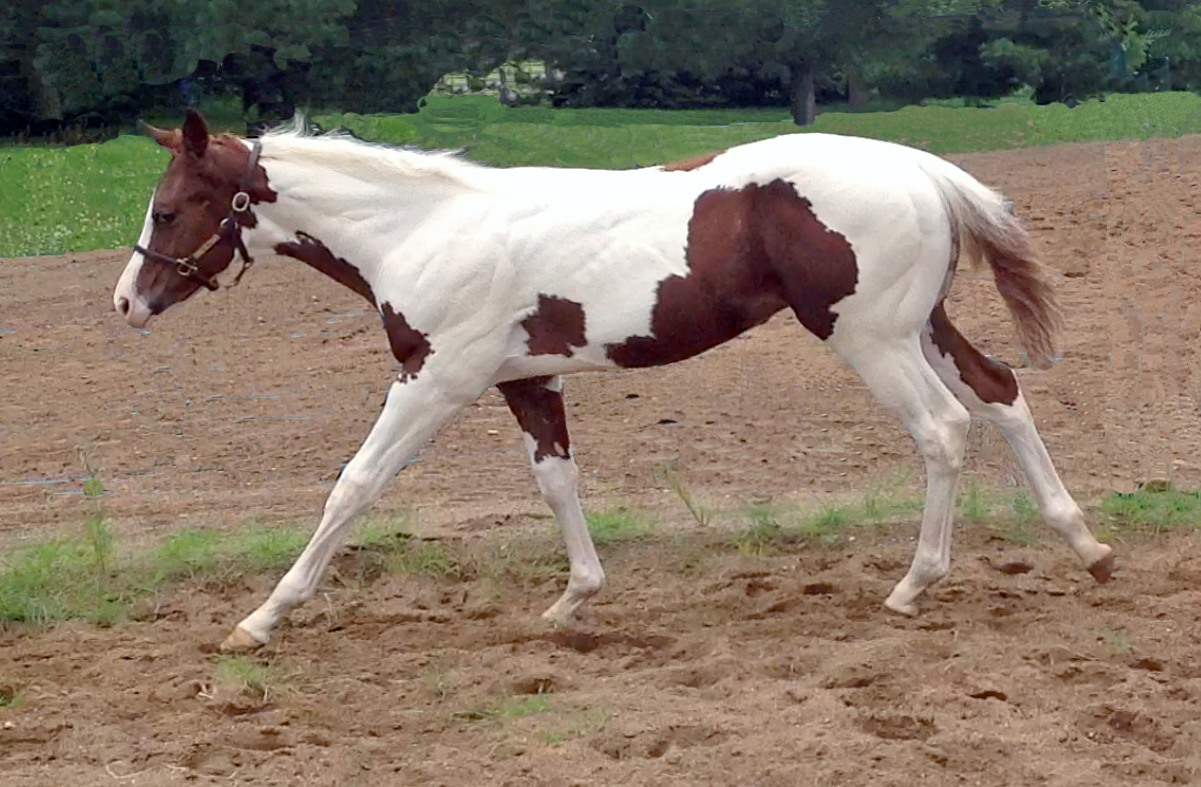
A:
855,94
802,102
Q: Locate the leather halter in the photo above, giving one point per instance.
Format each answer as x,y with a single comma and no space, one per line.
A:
230,230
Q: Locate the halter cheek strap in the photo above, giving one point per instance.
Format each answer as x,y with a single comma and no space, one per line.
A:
230,230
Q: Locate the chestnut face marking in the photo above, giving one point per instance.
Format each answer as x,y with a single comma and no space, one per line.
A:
687,165
556,327
190,201
409,345
317,255
540,414
750,253
992,381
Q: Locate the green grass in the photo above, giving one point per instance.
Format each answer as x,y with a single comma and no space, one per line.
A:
415,557
617,525
60,200
246,675
577,725
829,523
523,561
975,504
518,707
1116,638
89,577
1155,509
11,696
763,533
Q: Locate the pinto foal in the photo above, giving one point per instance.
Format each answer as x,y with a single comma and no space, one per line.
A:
513,277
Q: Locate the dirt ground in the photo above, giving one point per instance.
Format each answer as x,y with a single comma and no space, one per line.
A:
698,666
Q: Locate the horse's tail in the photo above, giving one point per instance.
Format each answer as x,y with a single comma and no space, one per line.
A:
986,231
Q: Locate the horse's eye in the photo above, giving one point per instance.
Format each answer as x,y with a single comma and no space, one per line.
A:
163,217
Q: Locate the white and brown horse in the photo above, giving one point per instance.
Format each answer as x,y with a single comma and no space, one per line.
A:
513,277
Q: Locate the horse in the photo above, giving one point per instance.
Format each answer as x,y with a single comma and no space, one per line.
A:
515,277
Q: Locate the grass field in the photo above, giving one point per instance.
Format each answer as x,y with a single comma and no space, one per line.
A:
59,200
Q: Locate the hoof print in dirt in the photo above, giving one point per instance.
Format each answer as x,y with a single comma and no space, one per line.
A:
1108,725
1147,663
653,744
537,684
1010,567
898,727
619,644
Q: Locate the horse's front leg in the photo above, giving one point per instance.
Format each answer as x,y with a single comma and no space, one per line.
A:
412,412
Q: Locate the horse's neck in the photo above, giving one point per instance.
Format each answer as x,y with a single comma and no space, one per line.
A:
357,223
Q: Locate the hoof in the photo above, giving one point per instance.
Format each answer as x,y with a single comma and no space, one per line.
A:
240,641
556,618
1102,569
909,610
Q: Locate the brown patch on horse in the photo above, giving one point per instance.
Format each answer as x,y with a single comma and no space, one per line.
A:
540,414
696,162
409,345
750,253
316,254
992,381
556,327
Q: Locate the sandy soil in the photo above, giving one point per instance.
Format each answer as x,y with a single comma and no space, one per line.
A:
699,666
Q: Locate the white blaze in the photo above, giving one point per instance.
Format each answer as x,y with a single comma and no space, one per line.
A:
126,289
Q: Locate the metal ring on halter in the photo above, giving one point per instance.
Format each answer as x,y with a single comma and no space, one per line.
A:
240,202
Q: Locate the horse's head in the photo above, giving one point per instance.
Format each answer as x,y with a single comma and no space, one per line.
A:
195,219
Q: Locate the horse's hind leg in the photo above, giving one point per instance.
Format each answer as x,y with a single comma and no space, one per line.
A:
990,390
901,379
537,403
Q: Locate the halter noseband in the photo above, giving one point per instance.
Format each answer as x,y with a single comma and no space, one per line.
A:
188,266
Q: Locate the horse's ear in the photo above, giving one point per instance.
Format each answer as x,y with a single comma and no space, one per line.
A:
195,134
162,136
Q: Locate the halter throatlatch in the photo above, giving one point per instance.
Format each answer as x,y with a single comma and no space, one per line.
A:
229,230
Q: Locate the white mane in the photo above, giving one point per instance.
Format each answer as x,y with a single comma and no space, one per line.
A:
369,160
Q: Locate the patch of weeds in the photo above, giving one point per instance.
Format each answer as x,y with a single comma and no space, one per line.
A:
585,723
1020,528
373,550
617,525
248,676
1115,637
220,555
383,532
669,475
11,696
521,562
974,502
183,554
518,707
827,524
56,581
763,532
885,499
1157,506
439,679
415,557
262,548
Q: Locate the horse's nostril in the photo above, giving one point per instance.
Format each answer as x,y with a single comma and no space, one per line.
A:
123,305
